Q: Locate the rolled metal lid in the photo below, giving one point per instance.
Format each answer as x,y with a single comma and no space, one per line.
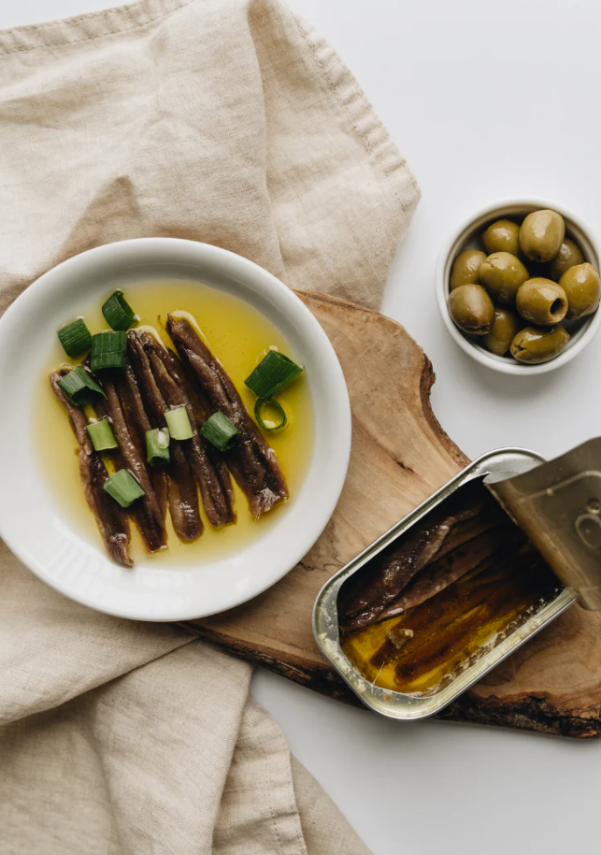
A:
558,505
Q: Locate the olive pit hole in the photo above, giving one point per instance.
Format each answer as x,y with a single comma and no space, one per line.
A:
557,306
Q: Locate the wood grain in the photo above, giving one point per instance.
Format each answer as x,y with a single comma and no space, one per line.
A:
400,455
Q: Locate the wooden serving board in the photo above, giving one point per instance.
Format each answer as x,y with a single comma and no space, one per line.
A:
401,455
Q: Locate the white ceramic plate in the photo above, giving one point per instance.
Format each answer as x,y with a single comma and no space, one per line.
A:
45,539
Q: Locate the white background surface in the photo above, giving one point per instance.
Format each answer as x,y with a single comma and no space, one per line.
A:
485,100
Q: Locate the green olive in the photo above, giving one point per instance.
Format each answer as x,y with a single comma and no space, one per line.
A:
502,236
504,328
581,284
539,344
471,309
569,255
542,302
541,235
502,274
466,268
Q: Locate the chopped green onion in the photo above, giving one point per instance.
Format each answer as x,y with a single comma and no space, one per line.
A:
123,488
279,413
75,338
157,446
178,423
109,350
79,387
102,436
272,374
118,313
220,432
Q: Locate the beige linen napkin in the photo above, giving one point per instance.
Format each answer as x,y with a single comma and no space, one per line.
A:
226,121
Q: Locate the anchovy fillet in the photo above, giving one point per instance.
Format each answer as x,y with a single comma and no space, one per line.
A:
147,511
429,557
183,494
138,423
208,466
111,520
442,572
252,462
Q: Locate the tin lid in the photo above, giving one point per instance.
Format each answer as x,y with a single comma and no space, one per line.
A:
558,505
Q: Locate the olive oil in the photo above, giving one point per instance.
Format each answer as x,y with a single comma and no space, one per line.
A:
239,336
500,582
451,629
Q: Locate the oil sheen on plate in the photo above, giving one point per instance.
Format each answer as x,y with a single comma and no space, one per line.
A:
239,336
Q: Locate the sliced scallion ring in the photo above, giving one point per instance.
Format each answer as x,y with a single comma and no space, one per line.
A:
281,419
109,350
274,373
79,387
123,488
157,446
75,338
118,313
220,431
178,423
101,435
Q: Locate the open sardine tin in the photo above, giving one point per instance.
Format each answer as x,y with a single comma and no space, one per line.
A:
556,504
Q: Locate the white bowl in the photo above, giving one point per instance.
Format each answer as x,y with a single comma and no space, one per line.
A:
466,236
31,522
